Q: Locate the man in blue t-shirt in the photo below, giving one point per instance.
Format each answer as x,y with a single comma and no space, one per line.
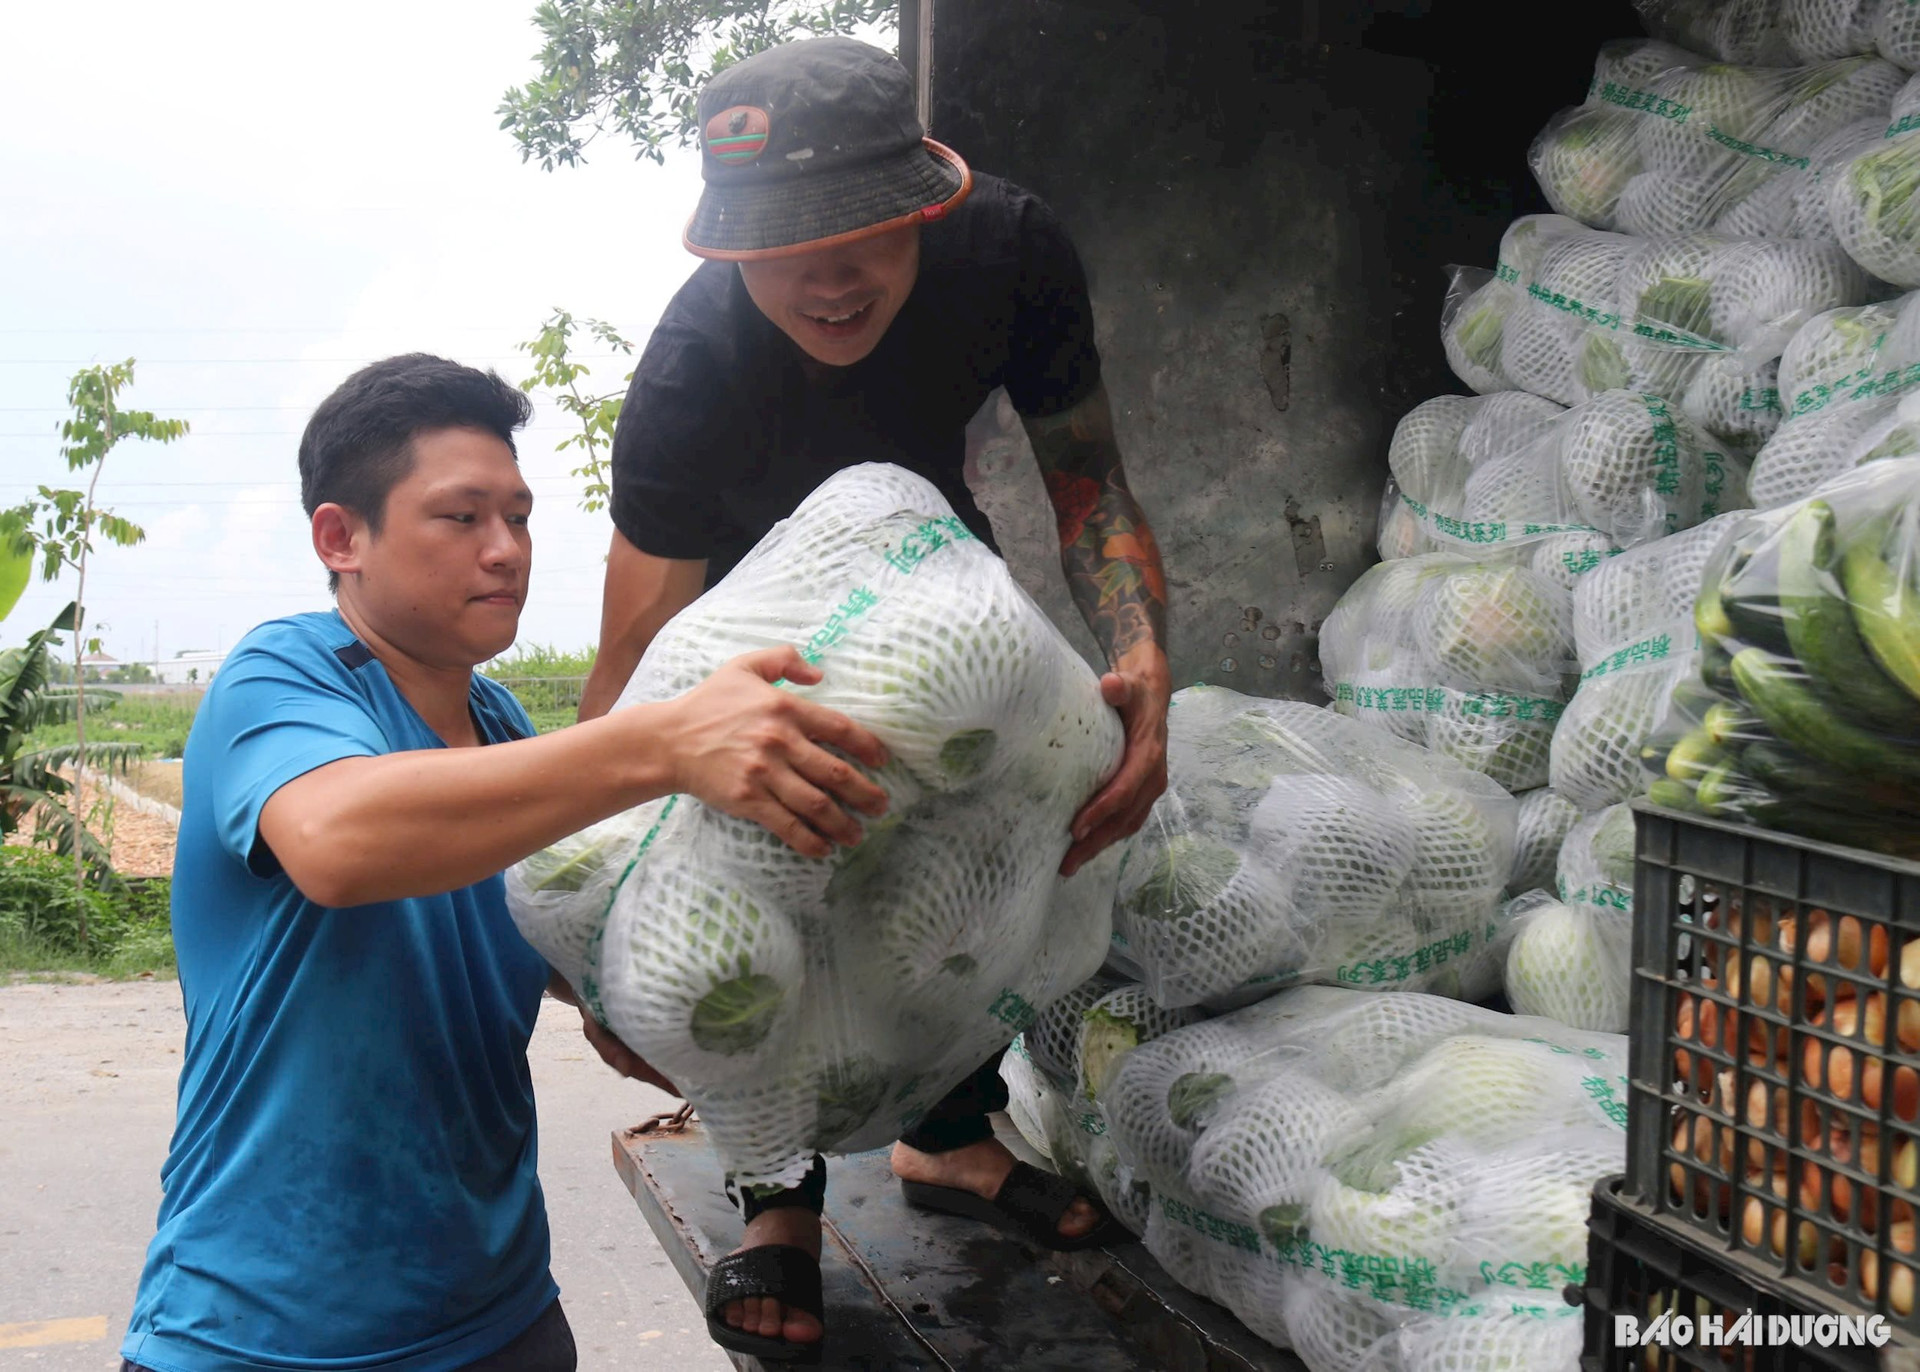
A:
351,1182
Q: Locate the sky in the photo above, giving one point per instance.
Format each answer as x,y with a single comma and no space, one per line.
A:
253,200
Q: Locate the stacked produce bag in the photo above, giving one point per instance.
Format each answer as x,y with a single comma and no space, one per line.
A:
1633,630
1470,657
1779,33
1728,216
1847,378
1806,713
1294,845
1670,142
808,1004
1559,489
1696,319
1395,1183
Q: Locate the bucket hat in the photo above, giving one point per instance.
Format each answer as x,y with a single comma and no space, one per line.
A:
813,144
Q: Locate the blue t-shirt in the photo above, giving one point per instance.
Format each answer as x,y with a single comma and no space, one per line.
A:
351,1180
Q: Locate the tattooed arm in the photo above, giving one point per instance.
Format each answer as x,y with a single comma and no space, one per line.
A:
1113,570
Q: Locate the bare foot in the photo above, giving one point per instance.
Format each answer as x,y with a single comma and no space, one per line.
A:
981,1168
765,1315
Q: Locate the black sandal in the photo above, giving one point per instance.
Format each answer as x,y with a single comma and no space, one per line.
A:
790,1275
1031,1204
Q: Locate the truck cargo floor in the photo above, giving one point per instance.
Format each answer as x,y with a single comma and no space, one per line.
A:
907,1290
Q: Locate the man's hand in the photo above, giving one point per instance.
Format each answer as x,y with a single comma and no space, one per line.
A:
759,753
614,1053
1139,688
621,1058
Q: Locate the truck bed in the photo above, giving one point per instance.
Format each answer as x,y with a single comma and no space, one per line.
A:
907,1290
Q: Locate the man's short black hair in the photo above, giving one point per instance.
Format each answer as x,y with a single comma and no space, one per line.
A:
359,443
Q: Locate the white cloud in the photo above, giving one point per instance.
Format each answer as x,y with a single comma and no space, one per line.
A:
252,201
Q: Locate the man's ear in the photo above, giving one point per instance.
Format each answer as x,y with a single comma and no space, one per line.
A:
339,535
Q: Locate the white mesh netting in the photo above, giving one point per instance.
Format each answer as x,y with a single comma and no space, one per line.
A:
1778,33
810,1004
1380,1182
1668,142
1545,818
1469,657
1633,631
1570,959
1870,200
1698,318
1297,845
1843,378
1514,472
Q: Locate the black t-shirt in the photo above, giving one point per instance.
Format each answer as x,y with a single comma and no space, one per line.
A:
723,433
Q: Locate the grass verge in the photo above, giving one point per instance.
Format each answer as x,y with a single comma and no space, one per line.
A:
47,927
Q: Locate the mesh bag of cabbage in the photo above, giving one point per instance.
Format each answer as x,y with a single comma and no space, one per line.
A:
1470,656
1614,472
1699,319
1479,304
1870,202
1633,629
1668,142
821,1004
1842,378
1381,1182
1569,959
1778,33
1805,714
1544,819
1295,845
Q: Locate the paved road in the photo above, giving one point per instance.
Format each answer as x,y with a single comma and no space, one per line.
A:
86,1106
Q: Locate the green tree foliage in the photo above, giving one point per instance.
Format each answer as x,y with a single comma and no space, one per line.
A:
59,525
635,67
561,377
30,774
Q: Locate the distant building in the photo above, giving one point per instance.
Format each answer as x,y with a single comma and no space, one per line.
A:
194,667
98,666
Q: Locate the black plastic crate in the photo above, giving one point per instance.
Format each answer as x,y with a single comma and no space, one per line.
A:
1774,1112
1642,1265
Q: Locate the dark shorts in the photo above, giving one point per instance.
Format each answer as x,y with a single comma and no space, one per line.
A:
546,1346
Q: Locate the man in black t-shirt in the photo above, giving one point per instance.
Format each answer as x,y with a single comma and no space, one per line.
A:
864,293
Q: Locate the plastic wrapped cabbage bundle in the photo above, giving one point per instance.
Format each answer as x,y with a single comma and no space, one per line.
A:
1563,489
1633,630
1545,818
1669,142
1747,32
1471,657
1571,955
1842,379
1295,845
1777,33
1806,716
1731,394
1480,304
1698,318
1389,1183
821,1004
1871,203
